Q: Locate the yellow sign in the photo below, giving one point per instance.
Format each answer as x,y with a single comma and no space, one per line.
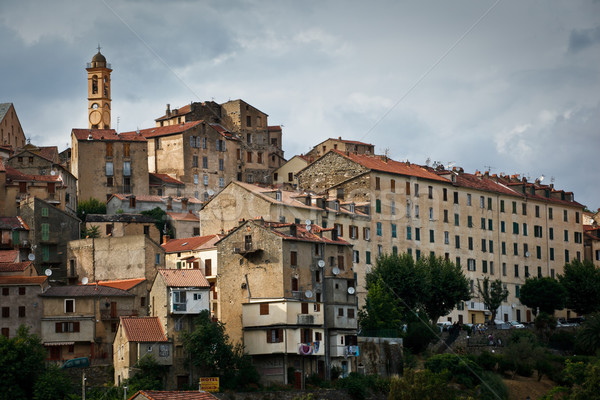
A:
209,384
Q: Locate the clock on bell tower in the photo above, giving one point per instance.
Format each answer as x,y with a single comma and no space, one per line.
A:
99,92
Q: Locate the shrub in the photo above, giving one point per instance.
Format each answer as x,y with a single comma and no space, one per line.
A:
418,336
462,370
492,387
487,360
562,340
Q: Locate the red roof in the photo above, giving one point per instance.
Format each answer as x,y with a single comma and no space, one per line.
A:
274,128
184,277
173,395
22,280
177,112
166,178
16,175
123,284
108,135
143,329
168,130
14,266
188,244
185,216
12,223
384,164
9,256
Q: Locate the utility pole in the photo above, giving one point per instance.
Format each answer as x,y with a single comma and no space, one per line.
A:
83,385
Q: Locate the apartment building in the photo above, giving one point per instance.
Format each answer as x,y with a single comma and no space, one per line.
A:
11,131
285,176
493,226
287,292
123,224
19,300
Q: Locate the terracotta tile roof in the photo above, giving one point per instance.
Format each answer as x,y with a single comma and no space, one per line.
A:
13,175
173,395
168,130
123,284
347,141
177,112
154,199
166,178
287,197
22,280
9,256
189,244
186,216
183,277
223,131
143,329
384,164
85,291
282,230
481,183
108,135
49,153
10,223
274,128
14,266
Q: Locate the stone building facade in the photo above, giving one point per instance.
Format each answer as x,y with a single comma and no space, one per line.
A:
106,162
493,226
20,304
343,145
288,295
11,131
119,225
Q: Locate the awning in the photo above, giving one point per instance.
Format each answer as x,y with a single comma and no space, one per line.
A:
59,343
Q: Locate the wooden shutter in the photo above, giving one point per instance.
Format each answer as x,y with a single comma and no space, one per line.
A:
304,308
76,326
341,262
208,267
58,327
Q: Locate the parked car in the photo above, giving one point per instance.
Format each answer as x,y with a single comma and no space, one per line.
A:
444,325
516,325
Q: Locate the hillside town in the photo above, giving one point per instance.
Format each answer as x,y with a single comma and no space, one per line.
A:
275,247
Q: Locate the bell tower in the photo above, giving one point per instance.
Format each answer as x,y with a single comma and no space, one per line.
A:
99,92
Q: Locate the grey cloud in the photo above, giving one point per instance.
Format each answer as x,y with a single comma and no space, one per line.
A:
581,39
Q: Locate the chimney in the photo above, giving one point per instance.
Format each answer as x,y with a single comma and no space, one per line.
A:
166,238
168,110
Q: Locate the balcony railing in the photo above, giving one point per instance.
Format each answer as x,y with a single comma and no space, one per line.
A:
180,307
245,248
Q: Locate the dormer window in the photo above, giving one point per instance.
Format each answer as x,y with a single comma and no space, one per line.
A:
278,196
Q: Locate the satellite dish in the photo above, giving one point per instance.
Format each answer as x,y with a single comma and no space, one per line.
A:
84,280
53,172
527,254
351,290
210,192
335,271
321,263
48,272
31,257
308,227
308,294
308,222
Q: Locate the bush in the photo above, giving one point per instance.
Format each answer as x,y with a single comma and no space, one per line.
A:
487,360
419,385
418,336
354,384
520,335
492,387
562,340
462,370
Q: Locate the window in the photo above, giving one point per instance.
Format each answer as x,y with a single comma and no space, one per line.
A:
431,213
537,231
539,272
515,228
393,186
351,313
109,168
249,156
294,284
126,149
408,233
417,211
407,209
566,235
5,312
109,149
45,232
446,216
456,220
565,216
503,245
355,256
470,221
470,240
552,253
481,202
194,161
516,270
417,233
221,182
514,207
483,223
489,203
393,230
221,164
157,258
205,180
275,335
445,194
430,192
379,233
377,183
368,257
69,305
61,327
416,190
468,199
446,237
5,291
524,229
407,189
484,267
470,264
517,291
576,217
21,311
515,249
567,258
501,205
392,208
550,213
378,206
259,157
367,233
126,168
431,236
45,252
524,207
490,225
455,197
483,245
457,241
491,246
304,308
293,258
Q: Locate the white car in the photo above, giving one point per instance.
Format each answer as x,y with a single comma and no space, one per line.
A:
516,325
444,325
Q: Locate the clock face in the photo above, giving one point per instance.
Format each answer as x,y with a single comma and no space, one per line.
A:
95,106
95,117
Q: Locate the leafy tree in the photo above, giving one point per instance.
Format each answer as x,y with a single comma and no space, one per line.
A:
149,375
431,284
446,286
588,337
523,353
90,206
381,310
22,359
545,294
493,294
463,370
582,283
92,232
214,354
545,324
160,220
53,384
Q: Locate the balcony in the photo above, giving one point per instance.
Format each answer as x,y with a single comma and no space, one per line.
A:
306,319
245,248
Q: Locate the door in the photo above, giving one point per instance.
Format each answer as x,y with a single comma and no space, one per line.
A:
113,309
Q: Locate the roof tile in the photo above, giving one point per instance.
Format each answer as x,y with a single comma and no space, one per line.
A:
184,277
143,329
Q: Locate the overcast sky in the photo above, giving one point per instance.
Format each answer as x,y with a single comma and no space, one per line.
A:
509,86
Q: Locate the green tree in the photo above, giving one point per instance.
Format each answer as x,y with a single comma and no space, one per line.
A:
545,294
493,294
22,359
160,220
53,384
588,337
419,385
92,232
90,206
446,286
214,354
149,375
381,310
582,283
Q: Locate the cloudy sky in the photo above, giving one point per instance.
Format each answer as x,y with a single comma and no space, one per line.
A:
509,86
